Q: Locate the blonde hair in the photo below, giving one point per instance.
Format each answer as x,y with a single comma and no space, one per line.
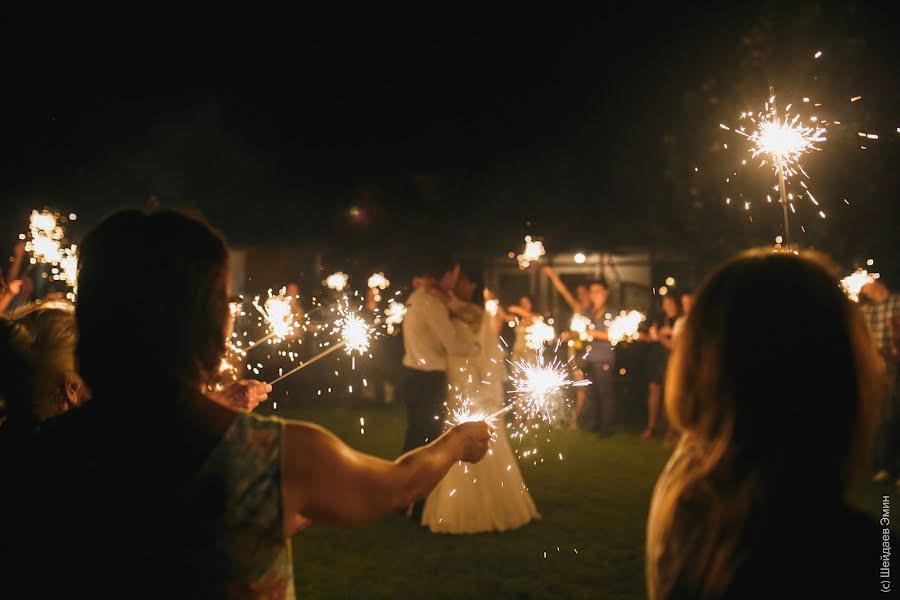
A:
42,340
749,399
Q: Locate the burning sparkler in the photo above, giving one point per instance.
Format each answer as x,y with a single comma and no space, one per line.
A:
580,325
378,281
537,386
854,283
491,307
538,334
782,141
534,250
278,313
624,326
337,281
355,333
394,314
355,336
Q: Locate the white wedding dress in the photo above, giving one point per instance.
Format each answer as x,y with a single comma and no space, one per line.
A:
490,495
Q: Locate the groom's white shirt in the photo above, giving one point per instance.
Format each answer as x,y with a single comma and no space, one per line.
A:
429,336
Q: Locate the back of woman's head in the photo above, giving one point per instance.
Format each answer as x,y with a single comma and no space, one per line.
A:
775,362
152,302
38,360
773,383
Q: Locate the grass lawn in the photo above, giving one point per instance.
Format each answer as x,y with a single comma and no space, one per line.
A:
595,501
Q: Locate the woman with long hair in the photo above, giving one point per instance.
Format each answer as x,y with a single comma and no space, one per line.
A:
151,489
773,384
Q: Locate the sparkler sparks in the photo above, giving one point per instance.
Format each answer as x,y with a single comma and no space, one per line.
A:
337,281
394,314
624,326
278,313
355,332
355,336
580,325
45,237
45,241
852,284
491,307
466,415
378,281
534,250
537,387
782,141
539,333
785,139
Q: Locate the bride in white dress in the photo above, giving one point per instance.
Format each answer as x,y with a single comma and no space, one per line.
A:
490,495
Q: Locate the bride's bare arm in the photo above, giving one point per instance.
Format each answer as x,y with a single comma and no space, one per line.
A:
328,482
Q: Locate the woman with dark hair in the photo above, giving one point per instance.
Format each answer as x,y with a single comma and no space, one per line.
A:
752,502
164,492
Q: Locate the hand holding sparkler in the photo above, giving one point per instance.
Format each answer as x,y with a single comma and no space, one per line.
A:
473,438
244,395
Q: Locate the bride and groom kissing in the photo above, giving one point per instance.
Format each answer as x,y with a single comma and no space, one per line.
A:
453,362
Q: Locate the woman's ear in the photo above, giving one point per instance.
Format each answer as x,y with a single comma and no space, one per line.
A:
75,390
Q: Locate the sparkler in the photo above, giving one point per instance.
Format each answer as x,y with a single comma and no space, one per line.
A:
534,250
355,336
624,326
45,243
537,385
580,325
337,281
394,314
378,281
278,313
852,284
45,238
539,333
467,415
491,307
783,141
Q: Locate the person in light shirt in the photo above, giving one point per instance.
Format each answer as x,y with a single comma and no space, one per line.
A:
429,338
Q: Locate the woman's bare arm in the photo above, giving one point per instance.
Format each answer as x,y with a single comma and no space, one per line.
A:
328,482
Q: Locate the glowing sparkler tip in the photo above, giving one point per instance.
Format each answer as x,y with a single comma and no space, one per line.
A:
854,283
534,250
337,281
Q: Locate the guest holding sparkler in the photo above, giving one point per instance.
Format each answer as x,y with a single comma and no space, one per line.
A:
724,520
600,363
881,308
580,304
207,497
429,339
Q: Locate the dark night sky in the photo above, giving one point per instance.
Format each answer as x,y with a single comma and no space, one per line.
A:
464,127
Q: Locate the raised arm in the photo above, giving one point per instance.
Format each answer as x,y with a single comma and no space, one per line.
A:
562,289
330,483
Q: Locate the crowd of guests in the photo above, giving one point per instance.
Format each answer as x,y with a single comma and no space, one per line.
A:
122,477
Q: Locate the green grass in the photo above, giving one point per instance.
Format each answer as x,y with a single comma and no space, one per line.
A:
595,500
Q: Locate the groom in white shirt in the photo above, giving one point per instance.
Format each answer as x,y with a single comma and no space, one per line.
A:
428,338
